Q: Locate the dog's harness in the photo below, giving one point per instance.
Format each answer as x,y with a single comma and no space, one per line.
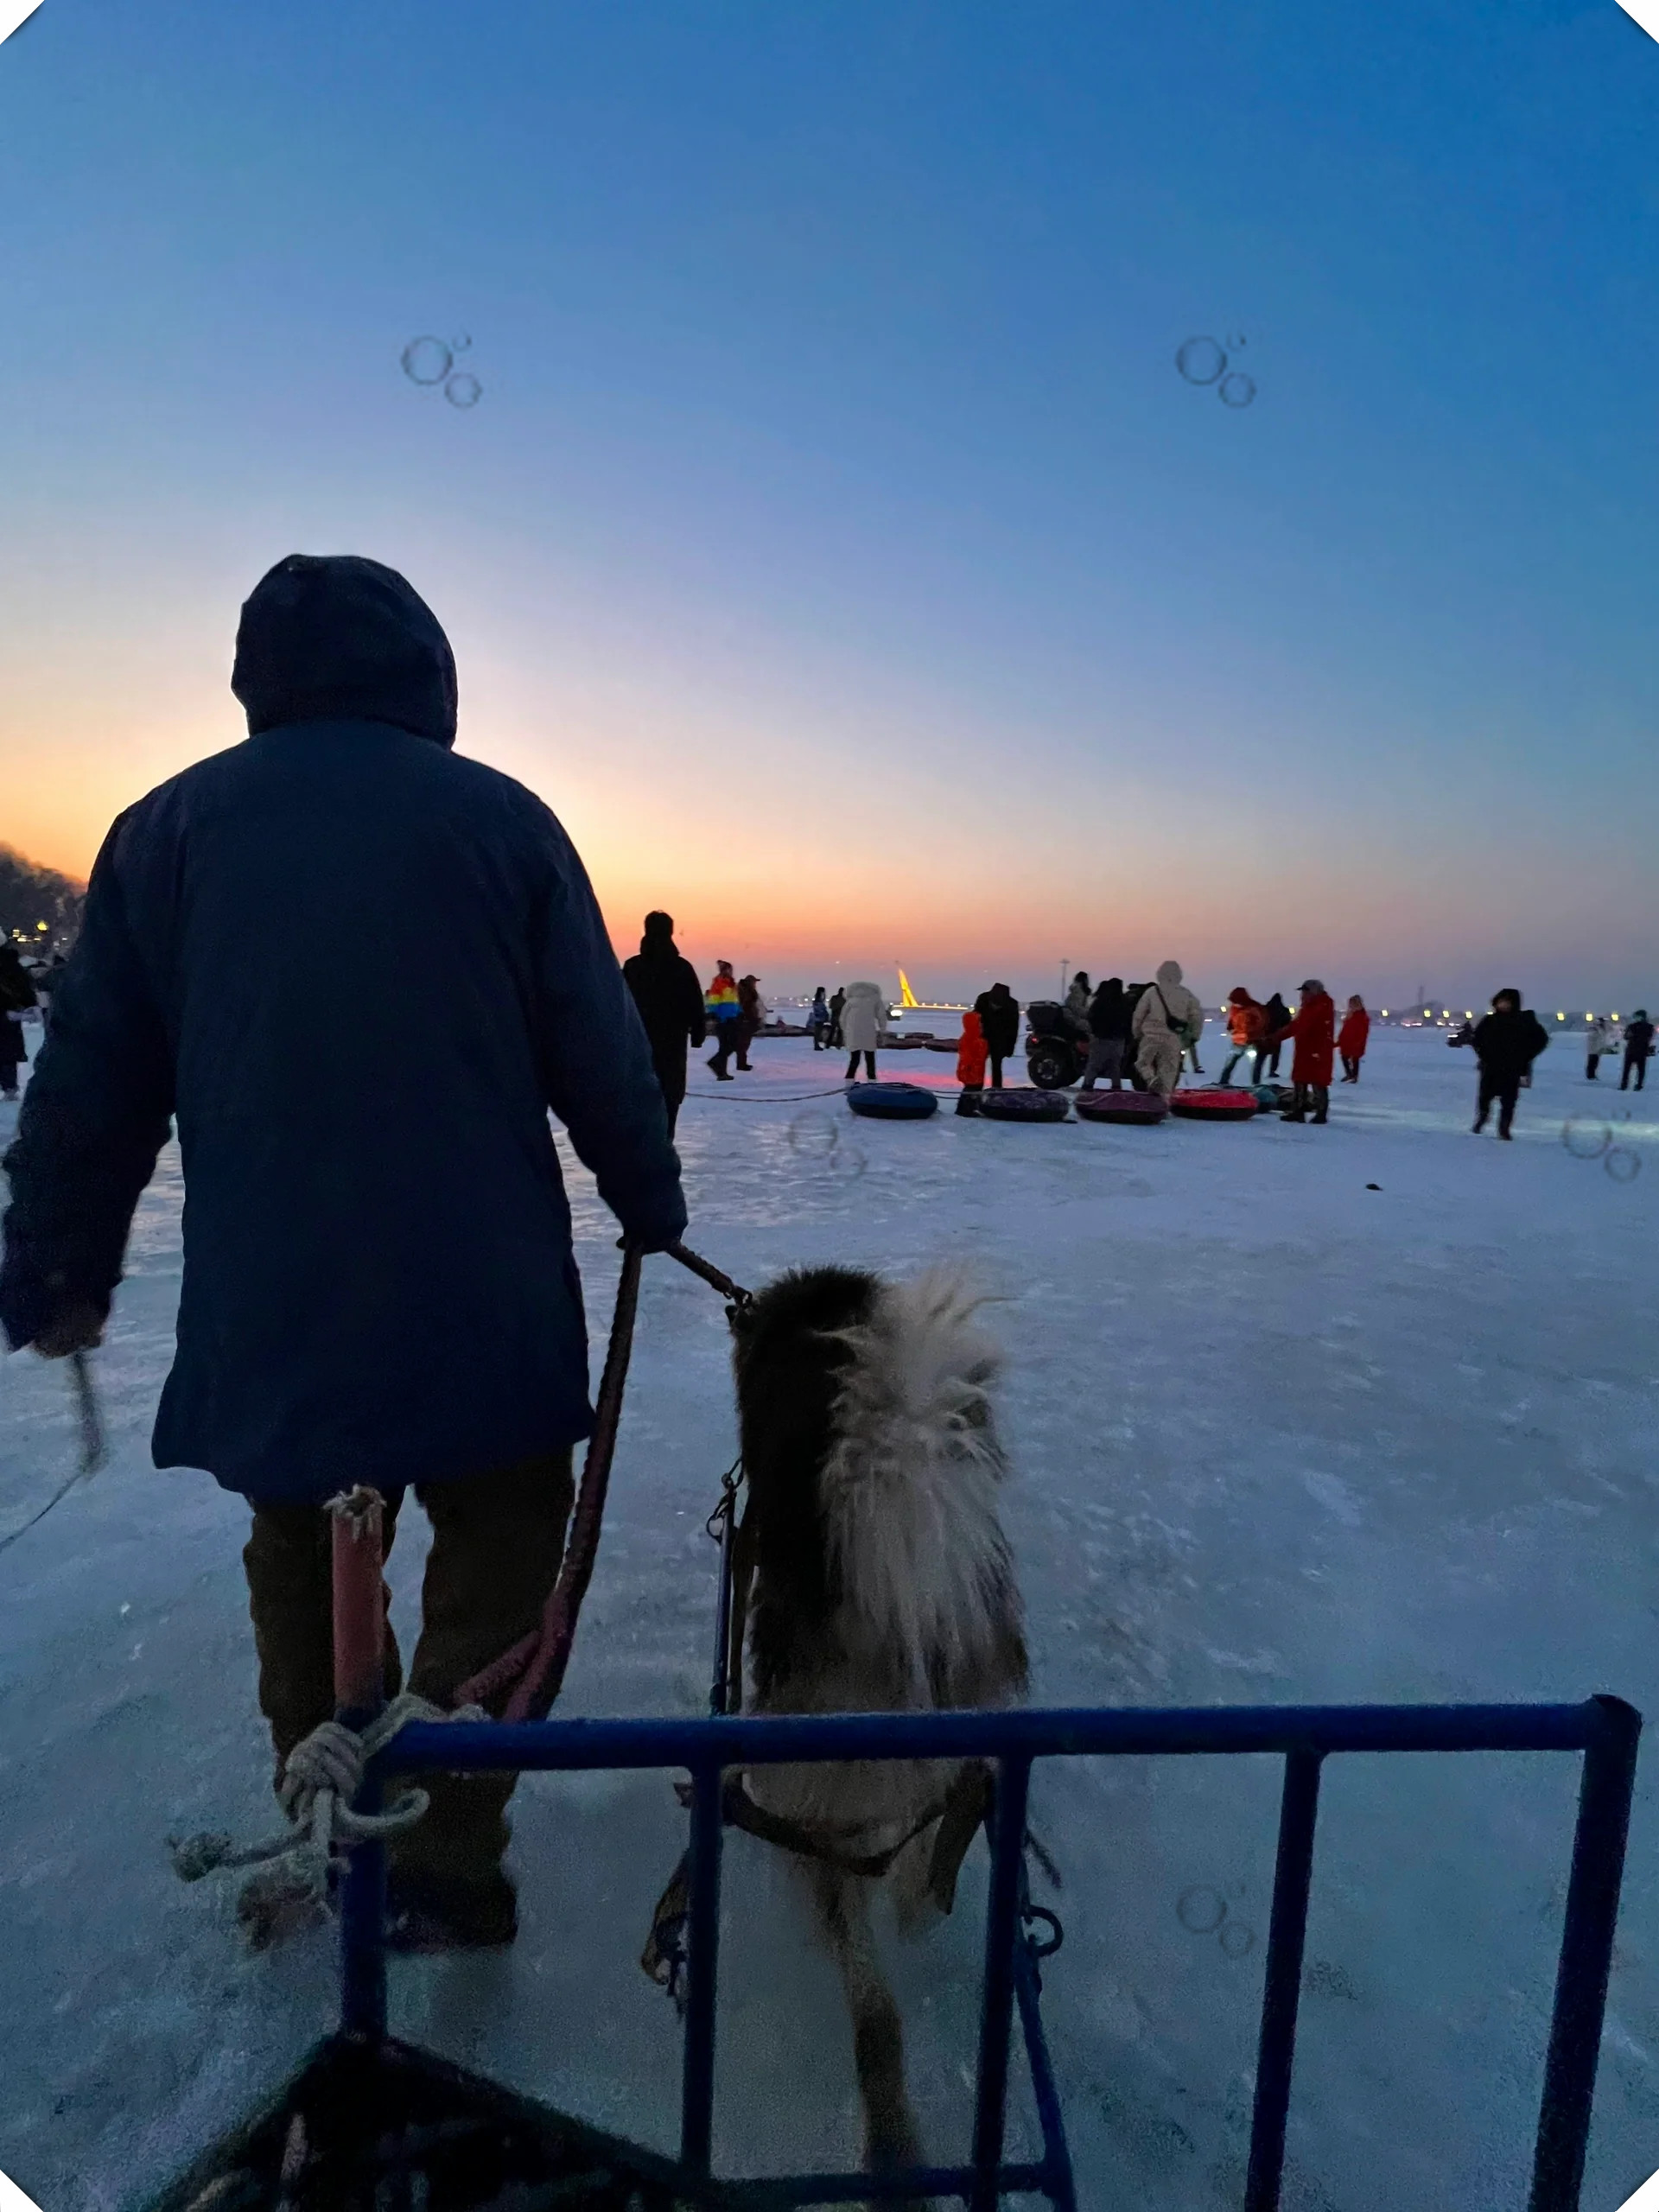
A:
959,1811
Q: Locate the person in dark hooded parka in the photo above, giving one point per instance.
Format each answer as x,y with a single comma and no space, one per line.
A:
378,1281
669,999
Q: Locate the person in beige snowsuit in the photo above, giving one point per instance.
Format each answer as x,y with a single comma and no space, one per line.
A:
1165,1019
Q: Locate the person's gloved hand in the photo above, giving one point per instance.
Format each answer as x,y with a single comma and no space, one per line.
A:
77,1327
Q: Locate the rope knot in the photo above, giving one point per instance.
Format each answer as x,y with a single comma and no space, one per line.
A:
320,1777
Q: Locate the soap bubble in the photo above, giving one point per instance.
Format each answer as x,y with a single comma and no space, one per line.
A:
427,360
1237,390
1200,360
1200,1911
1622,1164
463,389
1586,1139
1236,1939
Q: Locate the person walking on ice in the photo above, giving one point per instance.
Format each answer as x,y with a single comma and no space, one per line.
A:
1313,1026
863,1023
721,1008
380,1285
669,999
1246,1025
1507,1042
1638,1050
1166,1016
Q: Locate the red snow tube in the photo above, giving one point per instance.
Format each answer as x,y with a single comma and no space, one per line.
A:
1022,1105
1124,1106
1214,1105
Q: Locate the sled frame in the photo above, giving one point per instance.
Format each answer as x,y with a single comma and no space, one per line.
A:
1604,1730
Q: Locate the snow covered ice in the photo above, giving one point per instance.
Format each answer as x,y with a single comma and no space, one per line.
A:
1277,1437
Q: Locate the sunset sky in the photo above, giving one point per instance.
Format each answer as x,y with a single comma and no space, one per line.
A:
835,544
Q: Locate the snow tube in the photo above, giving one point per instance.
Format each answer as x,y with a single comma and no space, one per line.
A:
1214,1105
1125,1106
1022,1105
892,1102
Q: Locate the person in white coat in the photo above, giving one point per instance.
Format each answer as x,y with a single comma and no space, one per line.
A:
1167,1018
1598,1043
863,1024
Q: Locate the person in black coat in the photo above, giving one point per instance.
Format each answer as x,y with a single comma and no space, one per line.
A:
380,1285
16,996
1507,1042
999,1021
669,999
1279,1017
1111,1010
1638,1050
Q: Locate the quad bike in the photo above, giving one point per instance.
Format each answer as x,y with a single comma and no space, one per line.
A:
1057,1045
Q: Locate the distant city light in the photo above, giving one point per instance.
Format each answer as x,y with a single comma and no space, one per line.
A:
1561,1017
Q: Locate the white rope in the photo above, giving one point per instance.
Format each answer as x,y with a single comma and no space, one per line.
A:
320,1777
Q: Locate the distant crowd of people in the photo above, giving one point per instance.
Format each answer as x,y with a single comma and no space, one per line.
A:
1146,1034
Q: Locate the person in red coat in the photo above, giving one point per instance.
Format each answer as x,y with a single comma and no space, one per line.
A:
1314,1028
1353,1037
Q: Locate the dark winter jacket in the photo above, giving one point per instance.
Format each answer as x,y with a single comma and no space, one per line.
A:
1110,1010
669,999
1639,1040
999,1017
1508,1043
378,1281
16,991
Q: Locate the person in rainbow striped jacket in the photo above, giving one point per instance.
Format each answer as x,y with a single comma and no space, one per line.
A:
720,1004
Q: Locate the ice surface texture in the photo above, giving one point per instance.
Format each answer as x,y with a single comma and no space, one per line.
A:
1277,1436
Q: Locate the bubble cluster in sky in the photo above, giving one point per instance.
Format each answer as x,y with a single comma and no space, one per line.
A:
1206,361
430,362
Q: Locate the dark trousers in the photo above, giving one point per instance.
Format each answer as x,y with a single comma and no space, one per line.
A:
497,1543
1591,1062
725,1037
997,1059
1350,1068
869,1065
1505,1088
1635,1063
1269,1056
746,1032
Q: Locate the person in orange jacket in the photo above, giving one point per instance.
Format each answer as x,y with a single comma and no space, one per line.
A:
1314,1028
1246,1025
1352,1038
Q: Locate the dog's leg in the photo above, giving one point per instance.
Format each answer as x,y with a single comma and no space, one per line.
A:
890,2136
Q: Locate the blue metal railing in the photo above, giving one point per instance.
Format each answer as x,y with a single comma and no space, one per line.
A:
1604,1729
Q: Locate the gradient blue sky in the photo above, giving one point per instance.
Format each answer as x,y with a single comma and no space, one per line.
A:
834,545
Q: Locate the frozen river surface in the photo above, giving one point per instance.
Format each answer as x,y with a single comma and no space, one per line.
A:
1278,1436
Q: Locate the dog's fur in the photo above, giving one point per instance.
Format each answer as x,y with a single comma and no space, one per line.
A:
883,1582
